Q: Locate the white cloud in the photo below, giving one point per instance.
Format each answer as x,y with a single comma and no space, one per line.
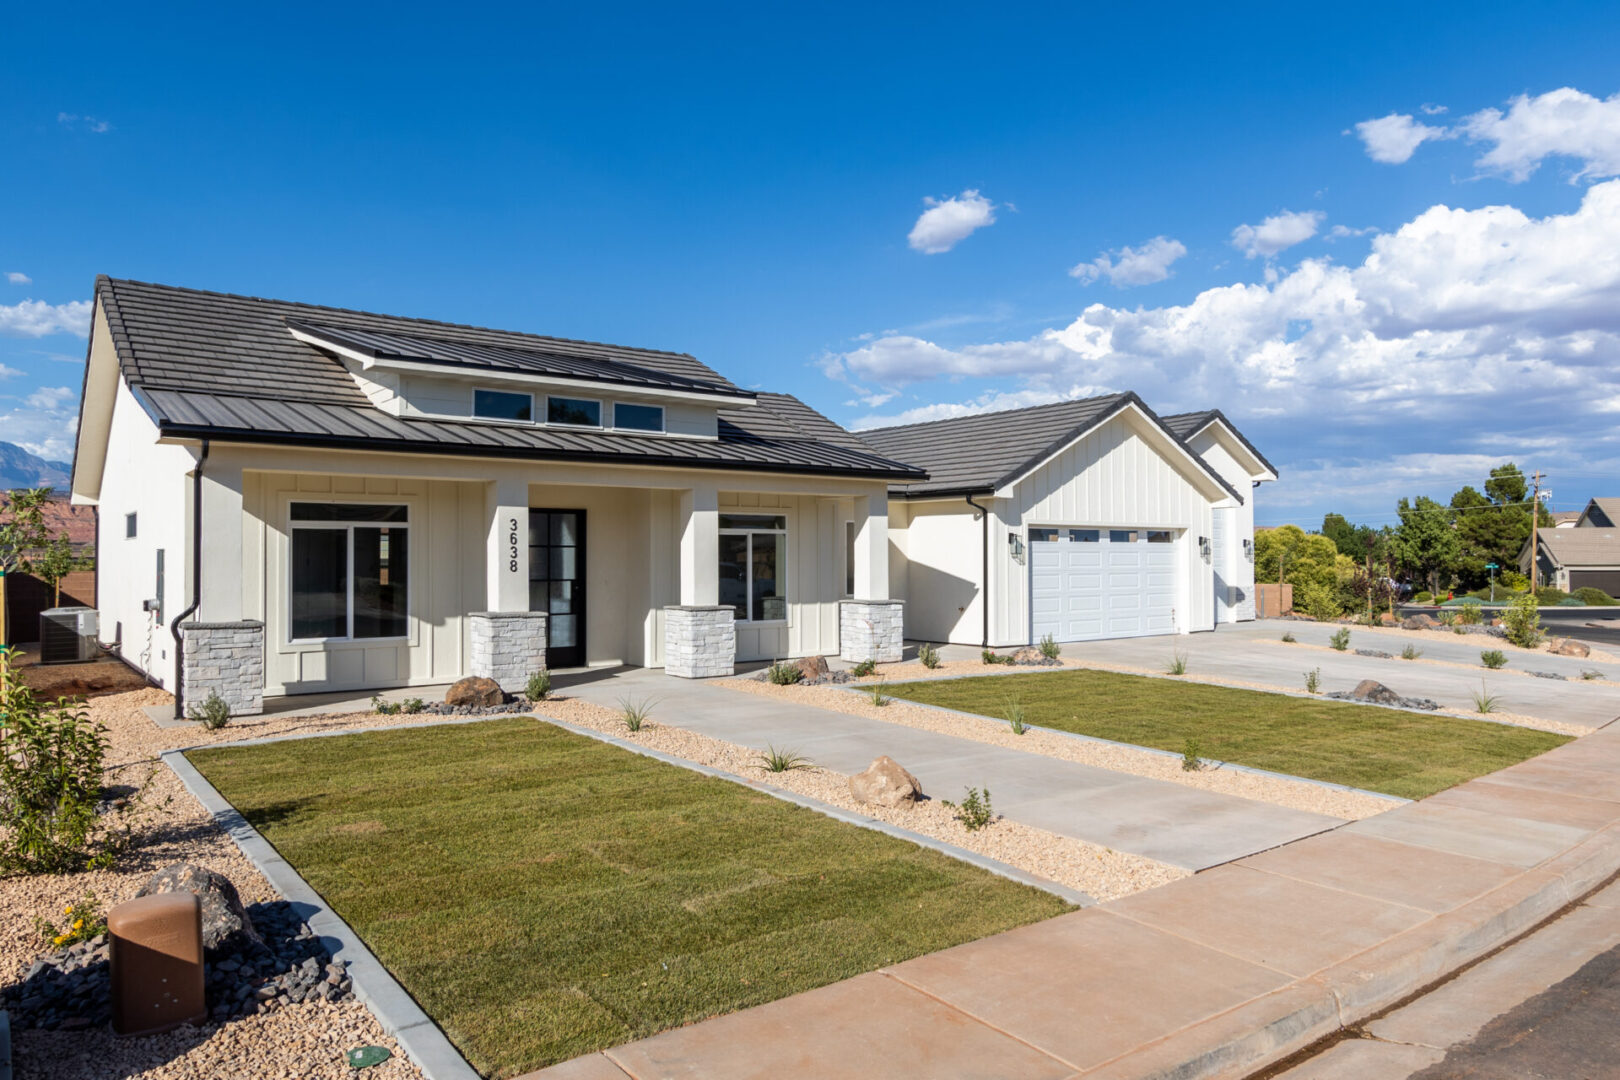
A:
16,277
1344,232
87,123
1432,110
1277,233
50,397
993,401
1393,139
947,222
1133,266
36,318
45,429
1458,324
1559,123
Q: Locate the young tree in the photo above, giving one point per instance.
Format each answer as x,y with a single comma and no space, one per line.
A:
1425,543
22,532
1307,561
55,563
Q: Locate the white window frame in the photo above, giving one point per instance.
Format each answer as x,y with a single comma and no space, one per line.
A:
472,407
347,527
663,418
781,562
599,402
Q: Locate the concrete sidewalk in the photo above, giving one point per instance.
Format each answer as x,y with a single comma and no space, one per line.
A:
1216,975
1173,823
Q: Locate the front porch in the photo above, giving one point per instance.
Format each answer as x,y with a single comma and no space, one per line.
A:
344,583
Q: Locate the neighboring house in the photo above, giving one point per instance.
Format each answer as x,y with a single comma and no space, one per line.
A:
1086,519
1586,554
322,499
1565,519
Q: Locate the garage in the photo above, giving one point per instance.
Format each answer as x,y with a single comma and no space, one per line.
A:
1087,583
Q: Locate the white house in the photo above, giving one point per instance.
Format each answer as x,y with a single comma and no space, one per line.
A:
297,498
1082,519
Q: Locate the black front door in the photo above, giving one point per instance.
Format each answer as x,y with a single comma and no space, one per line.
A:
557,582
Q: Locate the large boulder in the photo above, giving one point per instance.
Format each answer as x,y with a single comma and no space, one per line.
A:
811,667
1569,647
1029,655
225,924
1418,622
1386,618
885,783
476,690
1377,693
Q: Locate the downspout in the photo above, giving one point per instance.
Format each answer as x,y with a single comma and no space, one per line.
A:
984,572
196,587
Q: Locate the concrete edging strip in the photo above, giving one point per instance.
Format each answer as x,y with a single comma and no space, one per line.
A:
394,1008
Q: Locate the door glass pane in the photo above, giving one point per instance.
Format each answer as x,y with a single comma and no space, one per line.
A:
561,598
1159,536
380,561
562,562
320,583
539,527
564,528
1037,535
1121,536
304,511
734,574
561,630
1084,536
769,603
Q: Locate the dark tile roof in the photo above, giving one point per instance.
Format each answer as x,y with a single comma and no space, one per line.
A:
227,367
1185,425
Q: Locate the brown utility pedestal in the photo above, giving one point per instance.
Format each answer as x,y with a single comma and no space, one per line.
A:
157,963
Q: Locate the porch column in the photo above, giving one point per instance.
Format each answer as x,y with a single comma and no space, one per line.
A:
508,641
700,640
871,626
221,568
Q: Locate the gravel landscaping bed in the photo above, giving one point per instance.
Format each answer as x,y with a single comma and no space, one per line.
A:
304,1039
1296,794
1446,633
1510,670
1100,872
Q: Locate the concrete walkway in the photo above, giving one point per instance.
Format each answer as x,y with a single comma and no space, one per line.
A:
1179,825
1216,975
1255,652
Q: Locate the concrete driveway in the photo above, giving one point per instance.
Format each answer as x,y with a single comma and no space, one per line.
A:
1255,652
1174,824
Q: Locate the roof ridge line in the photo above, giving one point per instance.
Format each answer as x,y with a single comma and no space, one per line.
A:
990,412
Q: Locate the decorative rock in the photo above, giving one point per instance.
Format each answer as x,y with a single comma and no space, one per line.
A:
812,667
1374,692
1386,618
1569,647
477,691
1418,622
885,783
1549,675
1374,652
225,924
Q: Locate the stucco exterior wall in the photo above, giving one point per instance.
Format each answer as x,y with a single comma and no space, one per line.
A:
937,556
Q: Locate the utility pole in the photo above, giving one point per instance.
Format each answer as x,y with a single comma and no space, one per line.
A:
1535,530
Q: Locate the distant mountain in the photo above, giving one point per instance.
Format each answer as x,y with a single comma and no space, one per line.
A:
20,469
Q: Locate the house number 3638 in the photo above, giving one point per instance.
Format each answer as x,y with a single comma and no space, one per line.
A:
512,546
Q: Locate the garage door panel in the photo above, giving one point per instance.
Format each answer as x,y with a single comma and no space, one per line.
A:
1102,588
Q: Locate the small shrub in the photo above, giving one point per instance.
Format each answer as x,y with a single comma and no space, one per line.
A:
214,712
1470,613
784,674
876,694
1411,652
412,706
1177,664
635,713
928,655
1288,636
1590,676
1014,712
1493,658
1446,618
774,760
864,668
1586,594
1522,621
974,810
1484,700
1049,647
538,687
990,656
82,920
1340,639
1191,759
1313,681
1422,597
383,708
1550,594
1460,630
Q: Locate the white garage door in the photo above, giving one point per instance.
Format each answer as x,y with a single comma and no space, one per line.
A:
1101,583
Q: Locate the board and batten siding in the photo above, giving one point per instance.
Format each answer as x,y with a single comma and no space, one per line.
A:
1239,569
815,577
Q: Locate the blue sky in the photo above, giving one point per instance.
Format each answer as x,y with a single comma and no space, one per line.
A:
1385,310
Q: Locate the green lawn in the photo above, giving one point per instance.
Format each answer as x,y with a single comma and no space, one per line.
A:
544,895
1397,753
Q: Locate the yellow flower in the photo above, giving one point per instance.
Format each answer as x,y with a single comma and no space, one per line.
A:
78,924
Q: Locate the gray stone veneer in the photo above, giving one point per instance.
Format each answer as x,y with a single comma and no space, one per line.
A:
225,658
871,630
700,641
508,646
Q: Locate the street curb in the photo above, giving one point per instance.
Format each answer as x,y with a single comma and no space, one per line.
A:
397,1012
1395,800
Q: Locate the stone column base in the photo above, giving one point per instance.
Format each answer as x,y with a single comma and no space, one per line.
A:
508,646
871,630
224,658
700,641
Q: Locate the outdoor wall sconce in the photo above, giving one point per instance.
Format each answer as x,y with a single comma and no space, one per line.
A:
1248,550
1203,546
1015,544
